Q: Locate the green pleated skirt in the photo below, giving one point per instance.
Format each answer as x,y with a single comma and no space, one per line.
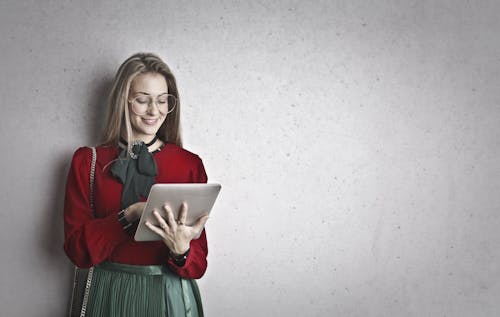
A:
124,290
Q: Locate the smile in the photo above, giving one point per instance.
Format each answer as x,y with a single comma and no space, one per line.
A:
150,121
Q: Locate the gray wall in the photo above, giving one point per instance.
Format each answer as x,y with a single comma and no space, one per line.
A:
357,143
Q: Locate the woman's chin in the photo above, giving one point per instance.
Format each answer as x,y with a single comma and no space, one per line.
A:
145,132
146,127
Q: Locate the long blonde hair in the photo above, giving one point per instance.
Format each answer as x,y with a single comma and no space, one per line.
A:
118,121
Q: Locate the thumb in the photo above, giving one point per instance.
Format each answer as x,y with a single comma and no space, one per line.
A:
200,223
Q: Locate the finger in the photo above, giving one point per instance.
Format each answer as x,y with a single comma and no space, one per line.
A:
183,213
200,223
155,229
170,216
160,219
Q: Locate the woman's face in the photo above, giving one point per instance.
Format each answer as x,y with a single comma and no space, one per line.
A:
144,86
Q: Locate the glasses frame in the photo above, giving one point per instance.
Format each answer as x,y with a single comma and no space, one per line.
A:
151,102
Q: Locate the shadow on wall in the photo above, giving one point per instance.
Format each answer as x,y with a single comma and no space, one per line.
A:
97,107
51,236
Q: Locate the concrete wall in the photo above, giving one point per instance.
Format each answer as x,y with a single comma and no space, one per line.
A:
357,143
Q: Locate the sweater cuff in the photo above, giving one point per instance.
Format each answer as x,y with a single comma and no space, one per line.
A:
126,225
179,259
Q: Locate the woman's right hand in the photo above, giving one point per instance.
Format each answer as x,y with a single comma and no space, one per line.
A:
134,211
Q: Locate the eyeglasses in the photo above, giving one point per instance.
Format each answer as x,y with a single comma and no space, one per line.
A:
165,103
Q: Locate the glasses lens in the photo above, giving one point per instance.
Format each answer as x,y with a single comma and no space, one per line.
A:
165,103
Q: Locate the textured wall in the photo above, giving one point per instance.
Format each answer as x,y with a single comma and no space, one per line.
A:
357,143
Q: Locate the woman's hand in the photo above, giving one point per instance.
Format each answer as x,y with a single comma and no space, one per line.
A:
134,211
176,234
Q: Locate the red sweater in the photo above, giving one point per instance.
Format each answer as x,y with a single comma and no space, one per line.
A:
89,241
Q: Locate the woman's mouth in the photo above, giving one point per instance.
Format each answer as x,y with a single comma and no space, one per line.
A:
149,121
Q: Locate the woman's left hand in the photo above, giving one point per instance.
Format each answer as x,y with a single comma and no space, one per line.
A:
175,233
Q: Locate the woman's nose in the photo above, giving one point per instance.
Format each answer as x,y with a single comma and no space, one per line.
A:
153,108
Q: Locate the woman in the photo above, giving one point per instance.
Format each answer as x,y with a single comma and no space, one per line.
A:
142,146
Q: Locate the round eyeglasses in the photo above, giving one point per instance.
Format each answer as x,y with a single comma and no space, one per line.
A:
165,103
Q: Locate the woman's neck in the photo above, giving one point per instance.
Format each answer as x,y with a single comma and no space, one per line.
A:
144,138
153,142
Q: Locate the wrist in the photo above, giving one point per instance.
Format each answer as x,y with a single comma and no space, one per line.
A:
179,259
179,247
129,214
127,225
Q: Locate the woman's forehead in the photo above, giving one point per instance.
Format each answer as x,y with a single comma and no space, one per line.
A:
149,83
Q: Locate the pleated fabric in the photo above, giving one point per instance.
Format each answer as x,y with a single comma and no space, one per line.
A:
123,290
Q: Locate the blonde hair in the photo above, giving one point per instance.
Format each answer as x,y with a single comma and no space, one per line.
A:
118,119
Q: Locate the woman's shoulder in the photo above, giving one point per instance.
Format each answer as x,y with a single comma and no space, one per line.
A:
177,152
185,162
107,149
84,153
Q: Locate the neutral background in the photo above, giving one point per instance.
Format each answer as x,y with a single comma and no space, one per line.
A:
357,142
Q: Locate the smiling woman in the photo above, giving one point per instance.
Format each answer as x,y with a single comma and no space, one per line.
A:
105,194
147,115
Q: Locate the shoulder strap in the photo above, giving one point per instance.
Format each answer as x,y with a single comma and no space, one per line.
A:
76,302
92,179
92,206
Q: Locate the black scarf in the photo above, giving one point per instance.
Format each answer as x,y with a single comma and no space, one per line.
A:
136,172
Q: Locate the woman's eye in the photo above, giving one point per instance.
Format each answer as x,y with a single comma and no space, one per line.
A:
163,101
142,100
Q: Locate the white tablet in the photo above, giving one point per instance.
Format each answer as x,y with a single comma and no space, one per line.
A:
200,199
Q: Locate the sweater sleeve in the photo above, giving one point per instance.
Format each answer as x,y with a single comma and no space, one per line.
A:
87,240
196,262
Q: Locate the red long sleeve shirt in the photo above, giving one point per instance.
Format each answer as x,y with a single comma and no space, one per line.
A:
90,240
